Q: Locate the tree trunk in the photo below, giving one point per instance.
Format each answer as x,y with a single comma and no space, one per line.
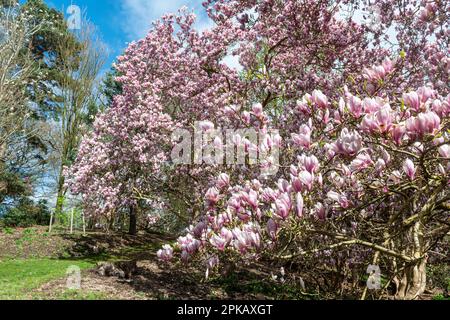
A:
50,224
413,281
84,225
60,195
71,220
133,221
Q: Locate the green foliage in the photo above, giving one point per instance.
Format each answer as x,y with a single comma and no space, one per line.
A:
111,87
47,47
8,230
441,297
439,275
26,214
246,283
64,217
12,185
8,3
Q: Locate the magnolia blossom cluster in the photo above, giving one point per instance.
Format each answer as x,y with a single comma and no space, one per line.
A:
368,147
177,75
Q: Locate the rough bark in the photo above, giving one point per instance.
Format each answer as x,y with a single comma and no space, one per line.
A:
133,221
413,281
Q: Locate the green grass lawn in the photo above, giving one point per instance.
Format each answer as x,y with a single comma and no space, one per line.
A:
19,277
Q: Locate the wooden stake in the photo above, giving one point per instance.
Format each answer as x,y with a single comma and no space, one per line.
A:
71,220
51,222
84,225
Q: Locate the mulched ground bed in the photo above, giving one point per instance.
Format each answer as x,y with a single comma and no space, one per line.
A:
33,242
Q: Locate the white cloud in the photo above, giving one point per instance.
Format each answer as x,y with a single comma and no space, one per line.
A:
138,15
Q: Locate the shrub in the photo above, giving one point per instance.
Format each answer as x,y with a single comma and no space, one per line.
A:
27,213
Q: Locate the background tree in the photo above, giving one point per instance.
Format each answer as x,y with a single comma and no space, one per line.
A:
80,68
20,147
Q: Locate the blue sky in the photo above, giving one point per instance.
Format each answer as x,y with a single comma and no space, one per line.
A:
122,21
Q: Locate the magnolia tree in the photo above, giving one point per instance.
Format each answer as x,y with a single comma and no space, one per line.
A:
373,176
352,96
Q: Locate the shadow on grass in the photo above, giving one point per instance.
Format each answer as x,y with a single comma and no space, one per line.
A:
96,246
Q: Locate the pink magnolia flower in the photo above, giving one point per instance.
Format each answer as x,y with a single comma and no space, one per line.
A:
251,198
396,176
319,99
339,198
185,256
198,230
372,105
284,186
398,133
272,229
218,242
212,262
440,108
235,203
311,163
246,117
166,253
409,169
379,72
412,100
361,162
444,151
320,179
380,165
212,195
349,143
226,234
257,109
269,195
283,206
388,65
237,140
223,181
218,143
320,211
189,244
355,106
326,116
369,124
425,93
277,140
245,239
384,119
293,170
220,220
306,179
303,139
424,123
297,185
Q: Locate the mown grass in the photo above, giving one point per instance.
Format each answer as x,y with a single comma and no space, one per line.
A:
18,278
82,295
